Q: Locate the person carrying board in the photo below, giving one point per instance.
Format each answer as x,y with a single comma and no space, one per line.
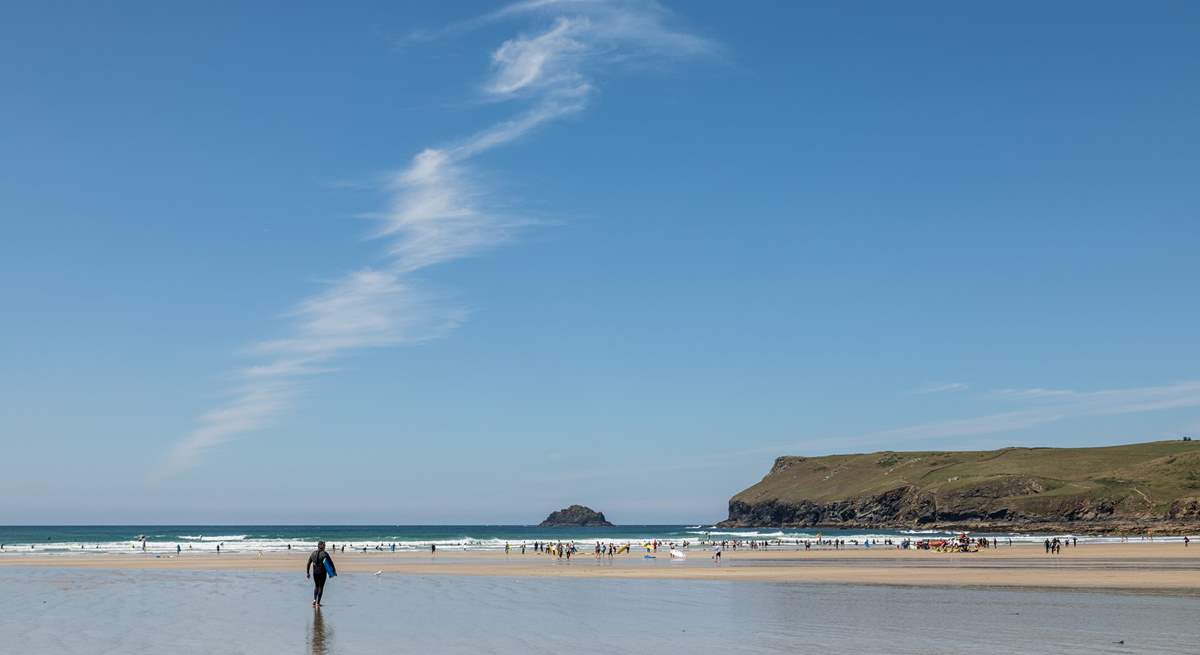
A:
318,567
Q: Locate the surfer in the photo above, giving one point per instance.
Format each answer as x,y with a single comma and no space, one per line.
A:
318,566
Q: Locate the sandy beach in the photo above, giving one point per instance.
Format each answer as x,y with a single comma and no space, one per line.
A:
1132,566
248,612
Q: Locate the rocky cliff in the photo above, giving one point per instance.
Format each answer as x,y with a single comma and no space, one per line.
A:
1119,488
577,516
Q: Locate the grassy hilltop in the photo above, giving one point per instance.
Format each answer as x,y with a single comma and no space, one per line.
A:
1129,487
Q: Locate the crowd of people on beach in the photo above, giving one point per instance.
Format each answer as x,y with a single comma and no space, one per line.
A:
1054,546
565,550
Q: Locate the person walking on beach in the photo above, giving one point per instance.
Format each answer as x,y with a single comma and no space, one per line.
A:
315,569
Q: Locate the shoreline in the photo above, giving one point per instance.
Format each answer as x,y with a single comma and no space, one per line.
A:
1136,566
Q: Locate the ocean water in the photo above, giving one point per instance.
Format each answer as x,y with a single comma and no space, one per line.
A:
138,611
90,540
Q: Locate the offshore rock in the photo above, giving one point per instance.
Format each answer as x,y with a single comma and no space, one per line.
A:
576,516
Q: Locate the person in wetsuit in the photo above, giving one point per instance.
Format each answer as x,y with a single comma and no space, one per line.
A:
315,569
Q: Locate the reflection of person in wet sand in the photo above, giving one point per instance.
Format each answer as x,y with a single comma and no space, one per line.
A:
318,640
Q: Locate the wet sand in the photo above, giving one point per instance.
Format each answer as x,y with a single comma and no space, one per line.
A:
1134,566
87,611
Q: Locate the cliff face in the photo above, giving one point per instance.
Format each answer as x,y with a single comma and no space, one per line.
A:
1114,488
576,516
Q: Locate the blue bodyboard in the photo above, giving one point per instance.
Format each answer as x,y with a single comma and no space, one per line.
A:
332,572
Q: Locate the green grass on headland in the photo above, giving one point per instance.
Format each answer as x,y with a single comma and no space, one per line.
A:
1148,481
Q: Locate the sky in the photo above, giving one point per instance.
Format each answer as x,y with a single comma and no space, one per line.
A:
422,263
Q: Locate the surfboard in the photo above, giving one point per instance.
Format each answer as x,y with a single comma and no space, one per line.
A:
332,572
678,554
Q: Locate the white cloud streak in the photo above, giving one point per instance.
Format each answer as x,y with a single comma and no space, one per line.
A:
940,388
1038,406
435,214
1041,406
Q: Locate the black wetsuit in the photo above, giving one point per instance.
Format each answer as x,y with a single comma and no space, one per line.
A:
316,564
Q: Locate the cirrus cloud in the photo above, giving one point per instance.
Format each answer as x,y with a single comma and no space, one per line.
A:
435,212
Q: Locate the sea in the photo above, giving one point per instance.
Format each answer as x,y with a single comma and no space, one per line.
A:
118,539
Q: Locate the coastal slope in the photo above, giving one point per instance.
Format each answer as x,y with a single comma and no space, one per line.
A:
1152,485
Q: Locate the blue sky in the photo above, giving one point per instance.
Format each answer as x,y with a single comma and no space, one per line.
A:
473,262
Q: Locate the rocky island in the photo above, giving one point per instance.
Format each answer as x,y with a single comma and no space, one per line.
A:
576,516
1130,488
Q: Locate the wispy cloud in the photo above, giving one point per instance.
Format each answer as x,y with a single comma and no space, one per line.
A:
641,25
435,212
1035,406
940,388
1039,406
1035,392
